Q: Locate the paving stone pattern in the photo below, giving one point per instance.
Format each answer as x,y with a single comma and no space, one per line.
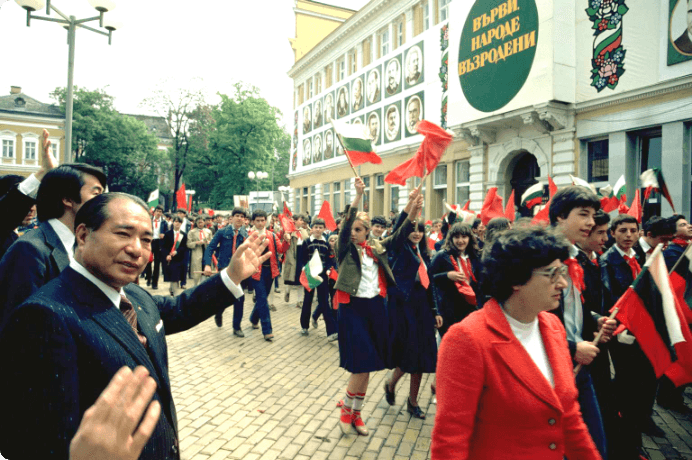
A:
245,398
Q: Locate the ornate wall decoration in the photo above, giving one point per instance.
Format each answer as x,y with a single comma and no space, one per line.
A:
444,72
608,58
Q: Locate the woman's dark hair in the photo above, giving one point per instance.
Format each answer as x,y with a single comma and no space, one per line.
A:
422,244
95,211
65,181
476,223
510,259
568,198
460,229
496,226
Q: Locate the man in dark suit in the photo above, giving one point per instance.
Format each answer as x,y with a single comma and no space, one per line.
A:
63,345
40,255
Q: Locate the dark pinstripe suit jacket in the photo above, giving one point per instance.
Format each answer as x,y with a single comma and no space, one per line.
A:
62,346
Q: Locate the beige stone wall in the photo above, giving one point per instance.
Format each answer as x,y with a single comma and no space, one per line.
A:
25,128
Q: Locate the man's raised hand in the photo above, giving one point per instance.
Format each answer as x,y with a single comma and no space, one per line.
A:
48,161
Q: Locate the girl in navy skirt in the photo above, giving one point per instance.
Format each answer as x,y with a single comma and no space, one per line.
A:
413,318
364,275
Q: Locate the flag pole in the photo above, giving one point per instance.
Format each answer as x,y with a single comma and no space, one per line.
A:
658,249
346,153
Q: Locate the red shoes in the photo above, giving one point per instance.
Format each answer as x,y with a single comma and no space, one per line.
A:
358,424
350,419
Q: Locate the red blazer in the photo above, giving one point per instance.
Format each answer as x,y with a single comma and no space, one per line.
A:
494,403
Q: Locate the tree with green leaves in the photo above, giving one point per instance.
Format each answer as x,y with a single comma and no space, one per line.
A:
119,144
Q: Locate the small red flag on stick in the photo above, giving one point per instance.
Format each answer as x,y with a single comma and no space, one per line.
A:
326,214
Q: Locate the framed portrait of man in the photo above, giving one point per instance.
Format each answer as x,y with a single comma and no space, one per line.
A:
413,113
358,120
329,144
307,152
317,114
413,73
342,105
392,76
373,85
680,31
307,119
317,148
392,122
328,108
357,94
373,122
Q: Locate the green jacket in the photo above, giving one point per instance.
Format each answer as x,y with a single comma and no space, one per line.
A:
349,260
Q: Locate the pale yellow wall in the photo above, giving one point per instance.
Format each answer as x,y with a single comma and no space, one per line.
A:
15,165
310,30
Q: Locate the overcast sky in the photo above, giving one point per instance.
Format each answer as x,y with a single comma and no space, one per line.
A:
162,42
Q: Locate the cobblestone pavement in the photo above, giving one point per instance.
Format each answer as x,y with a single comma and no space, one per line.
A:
245,398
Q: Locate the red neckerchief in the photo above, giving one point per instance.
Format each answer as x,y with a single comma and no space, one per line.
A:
422,269
344,297
175,244
576,274
634,266
681,242
464,287
595,261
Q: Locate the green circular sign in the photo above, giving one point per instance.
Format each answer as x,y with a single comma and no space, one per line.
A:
496,51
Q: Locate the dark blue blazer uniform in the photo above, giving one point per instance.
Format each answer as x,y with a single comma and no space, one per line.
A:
62,346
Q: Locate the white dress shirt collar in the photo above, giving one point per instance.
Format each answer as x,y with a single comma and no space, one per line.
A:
631,252
112,294
644,245
65,235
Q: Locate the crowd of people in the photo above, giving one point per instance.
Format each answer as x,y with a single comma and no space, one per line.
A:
502,313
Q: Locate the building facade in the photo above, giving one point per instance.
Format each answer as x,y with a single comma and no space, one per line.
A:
595,89
22,121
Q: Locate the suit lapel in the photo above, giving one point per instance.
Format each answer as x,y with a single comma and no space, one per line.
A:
515,357
58,252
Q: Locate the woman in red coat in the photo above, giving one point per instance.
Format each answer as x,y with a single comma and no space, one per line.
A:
505,387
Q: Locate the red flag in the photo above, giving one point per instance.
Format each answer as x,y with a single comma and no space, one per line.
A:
492,206
648,191
623,209
466,206
189,204
287,224
426,158
542,216
287,212
333,274
211,212
609,204
509,209
552,188
636,208
326,214
180,197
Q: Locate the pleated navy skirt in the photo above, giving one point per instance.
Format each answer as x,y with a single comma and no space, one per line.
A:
364,335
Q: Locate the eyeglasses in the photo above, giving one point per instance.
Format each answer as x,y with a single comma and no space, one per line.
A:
554,273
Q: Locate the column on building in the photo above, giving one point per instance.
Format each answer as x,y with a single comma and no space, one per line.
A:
564,159
318,199
622,160
674,153
477,165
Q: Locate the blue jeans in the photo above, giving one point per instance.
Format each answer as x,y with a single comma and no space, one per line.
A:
590,411
261,311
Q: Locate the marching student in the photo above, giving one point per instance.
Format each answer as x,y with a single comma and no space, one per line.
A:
364,276
333,238
175,255
262,280
656,230
681,238
572,212
223,245
413,317
197,241
379,225
293,262
317,243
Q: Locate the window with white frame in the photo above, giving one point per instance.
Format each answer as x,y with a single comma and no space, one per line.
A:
347,192
394,198
297,201
30,146
310,89
55,148
337,199
342,69
444,9
352,61
463,181
313,199
597,159
398,34
7,143
318,84
325,192
426,15
384,41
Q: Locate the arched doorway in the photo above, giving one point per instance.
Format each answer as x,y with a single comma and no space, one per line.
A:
523,171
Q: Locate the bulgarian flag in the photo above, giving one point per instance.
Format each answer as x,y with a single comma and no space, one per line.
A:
357,143
153,200
608,201
652,179
309,277
532,196
681,280
620,189
652,312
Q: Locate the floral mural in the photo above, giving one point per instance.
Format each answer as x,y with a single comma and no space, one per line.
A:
608,58
444,72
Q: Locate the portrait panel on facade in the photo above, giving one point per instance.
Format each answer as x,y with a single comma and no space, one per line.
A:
680,32
358,120
413,113
413,72
307,119
392,76
328,108
307,152
392,122
373,85
317,148
357,94
317,114
329,144
374,124
342,102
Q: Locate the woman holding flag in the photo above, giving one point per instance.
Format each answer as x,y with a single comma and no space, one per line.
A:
364,276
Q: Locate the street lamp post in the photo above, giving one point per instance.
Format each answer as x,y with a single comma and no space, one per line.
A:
257,176
71,23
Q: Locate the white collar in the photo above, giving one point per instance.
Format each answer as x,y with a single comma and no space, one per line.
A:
573,251
65,234
112,294
631,253
321,238
643,244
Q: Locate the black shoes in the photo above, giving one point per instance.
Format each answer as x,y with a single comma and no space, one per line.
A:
238,333
414,410
218,318
389,395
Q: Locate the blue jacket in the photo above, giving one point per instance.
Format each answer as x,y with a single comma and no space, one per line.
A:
222,245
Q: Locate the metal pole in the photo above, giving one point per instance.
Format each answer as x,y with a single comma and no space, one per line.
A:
68,102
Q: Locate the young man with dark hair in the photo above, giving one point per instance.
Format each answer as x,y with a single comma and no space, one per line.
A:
572,211
43,253
317,243
656,230
619,268
681,238
223,245
379,225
